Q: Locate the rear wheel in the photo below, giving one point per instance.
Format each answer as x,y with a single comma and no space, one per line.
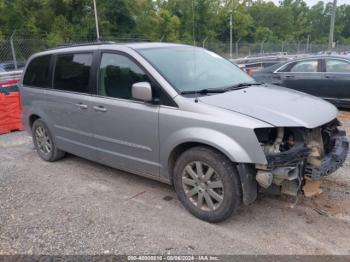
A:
44,143
207,184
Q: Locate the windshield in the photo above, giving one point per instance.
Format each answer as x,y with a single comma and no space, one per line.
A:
193,69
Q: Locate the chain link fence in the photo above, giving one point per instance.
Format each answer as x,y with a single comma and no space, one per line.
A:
17,51
240,50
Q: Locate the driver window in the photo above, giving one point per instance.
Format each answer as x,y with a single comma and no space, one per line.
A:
117,75
305,66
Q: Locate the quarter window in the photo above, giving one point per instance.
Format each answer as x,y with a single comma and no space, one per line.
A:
337,66
283,68
117,75
37,73
72,72
305,66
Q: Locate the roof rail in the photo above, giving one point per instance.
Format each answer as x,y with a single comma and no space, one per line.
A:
83,44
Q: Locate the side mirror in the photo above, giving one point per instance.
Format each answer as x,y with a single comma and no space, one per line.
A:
142,91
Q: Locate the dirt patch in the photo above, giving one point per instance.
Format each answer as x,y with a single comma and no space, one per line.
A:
333,202
312,188
344,118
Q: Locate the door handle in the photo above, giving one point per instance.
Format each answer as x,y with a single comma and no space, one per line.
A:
100,108
328,76
289,76
81,106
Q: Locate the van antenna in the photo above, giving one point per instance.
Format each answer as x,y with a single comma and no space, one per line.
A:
193,25
194,44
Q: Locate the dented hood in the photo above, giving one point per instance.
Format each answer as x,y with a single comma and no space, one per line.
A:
275,105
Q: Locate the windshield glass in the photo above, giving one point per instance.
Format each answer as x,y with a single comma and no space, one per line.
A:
193,69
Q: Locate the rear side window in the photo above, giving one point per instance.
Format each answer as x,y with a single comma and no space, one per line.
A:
72,72
38,72
337,66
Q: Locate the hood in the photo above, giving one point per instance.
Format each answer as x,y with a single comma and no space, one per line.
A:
275,105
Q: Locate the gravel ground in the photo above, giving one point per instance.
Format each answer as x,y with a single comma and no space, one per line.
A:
75,206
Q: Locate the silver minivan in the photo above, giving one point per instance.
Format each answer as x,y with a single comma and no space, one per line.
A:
182,115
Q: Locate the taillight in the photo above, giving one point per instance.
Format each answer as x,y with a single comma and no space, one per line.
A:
249,71
9,83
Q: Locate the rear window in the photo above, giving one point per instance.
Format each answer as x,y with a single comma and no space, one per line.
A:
37,73
72,72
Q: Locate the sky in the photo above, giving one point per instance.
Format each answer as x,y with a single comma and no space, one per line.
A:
312,2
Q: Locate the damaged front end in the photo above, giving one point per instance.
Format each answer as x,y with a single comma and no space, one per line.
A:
296,156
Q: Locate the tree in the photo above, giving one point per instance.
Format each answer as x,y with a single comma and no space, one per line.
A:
277,19
173,20
147,20
263,34
169,26
300,22
342,30
242,22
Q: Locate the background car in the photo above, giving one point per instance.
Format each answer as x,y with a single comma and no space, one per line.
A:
10,66
323,76
258,62
9,76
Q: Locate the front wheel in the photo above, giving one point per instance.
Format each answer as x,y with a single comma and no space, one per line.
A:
207,184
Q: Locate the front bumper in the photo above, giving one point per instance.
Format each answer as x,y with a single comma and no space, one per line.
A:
332,161
282,164
314,154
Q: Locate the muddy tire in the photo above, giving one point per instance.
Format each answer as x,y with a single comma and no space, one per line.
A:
43,142
207,184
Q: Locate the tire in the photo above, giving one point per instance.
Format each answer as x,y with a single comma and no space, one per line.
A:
222,170
43,142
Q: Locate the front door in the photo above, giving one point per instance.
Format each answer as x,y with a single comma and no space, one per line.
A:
125,130
304,76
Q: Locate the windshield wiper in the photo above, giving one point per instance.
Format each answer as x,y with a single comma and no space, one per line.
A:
220,90
205,91
243,85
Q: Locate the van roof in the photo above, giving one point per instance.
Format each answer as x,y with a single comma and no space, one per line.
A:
96,45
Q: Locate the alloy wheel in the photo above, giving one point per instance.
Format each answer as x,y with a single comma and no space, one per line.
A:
43,140
203,186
